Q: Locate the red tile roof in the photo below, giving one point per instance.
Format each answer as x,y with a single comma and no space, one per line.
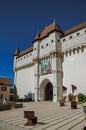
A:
5,81
25,52
48,29
74,29
52,27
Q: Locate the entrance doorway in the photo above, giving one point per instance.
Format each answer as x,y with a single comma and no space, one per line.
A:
49,92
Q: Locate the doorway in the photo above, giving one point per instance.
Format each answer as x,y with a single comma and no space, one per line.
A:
49,92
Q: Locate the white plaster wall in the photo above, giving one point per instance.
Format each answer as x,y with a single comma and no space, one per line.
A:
24,60
25,81
73,66
75,40
51,45
74,72
36,50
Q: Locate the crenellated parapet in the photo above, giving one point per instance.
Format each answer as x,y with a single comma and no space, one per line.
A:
56,55
74,50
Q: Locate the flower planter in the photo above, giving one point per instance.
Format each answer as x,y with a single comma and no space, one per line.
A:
73,105
62,103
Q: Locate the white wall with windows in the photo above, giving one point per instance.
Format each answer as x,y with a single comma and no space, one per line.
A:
43,63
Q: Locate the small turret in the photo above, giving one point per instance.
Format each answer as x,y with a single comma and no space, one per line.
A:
17,52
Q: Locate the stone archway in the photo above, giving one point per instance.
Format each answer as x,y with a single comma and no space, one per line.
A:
49,92
46,90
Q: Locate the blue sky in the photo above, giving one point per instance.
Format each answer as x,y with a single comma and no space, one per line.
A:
20,20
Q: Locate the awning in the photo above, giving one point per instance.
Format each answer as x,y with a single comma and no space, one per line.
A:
64,88
73,87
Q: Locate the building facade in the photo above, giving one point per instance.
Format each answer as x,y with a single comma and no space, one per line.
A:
5,84
54,66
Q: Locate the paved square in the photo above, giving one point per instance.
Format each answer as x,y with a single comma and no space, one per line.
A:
51,116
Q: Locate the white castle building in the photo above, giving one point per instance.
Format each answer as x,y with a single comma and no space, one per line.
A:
54,66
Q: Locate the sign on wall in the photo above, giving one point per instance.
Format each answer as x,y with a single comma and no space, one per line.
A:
45,67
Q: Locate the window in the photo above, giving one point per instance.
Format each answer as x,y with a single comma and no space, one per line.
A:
3,88
47,44
58,40
78,34
41,46
63,40
85,31
51,40
35,48
70,37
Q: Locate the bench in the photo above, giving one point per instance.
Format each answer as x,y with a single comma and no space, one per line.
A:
31,118
16,105
4,107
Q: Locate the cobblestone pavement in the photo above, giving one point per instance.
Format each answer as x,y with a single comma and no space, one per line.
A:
51,116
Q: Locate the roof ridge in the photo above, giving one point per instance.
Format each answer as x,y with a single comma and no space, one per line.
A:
75,28
48,29
27,50
5,81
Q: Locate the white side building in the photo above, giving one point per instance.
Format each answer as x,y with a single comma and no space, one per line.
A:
54,66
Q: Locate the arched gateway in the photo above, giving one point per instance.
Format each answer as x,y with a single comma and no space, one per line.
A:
46,90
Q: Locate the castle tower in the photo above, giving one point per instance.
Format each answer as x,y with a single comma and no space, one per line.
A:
48,64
